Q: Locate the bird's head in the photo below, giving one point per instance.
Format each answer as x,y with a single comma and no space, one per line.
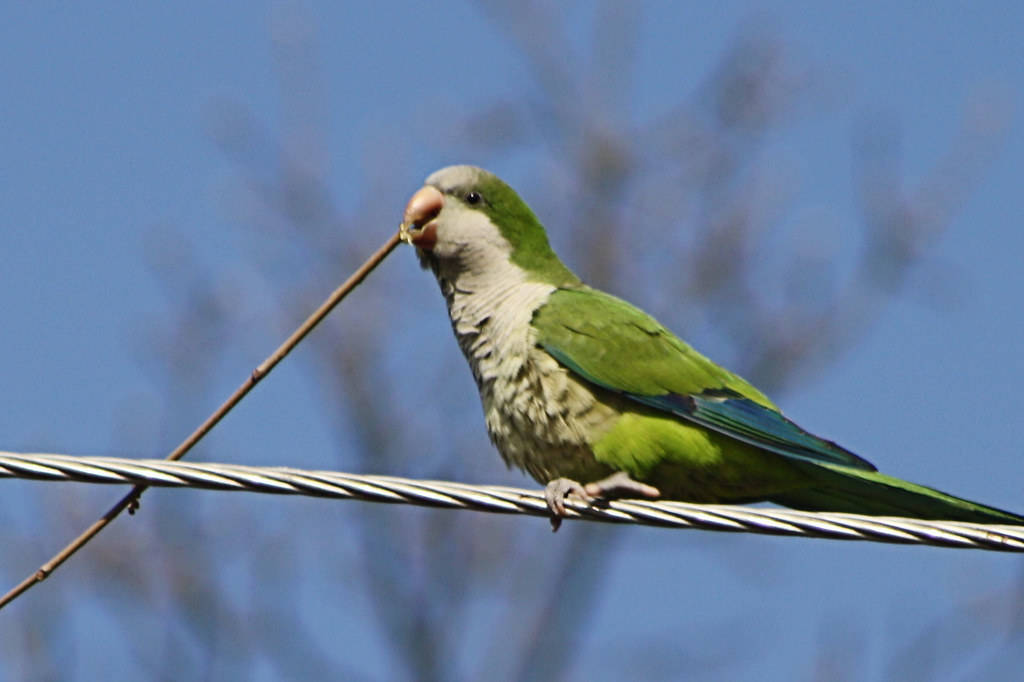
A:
465,219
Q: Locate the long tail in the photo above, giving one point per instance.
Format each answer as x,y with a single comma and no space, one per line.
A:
842,489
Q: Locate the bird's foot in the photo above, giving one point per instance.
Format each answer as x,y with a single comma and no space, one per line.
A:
555,494
617,485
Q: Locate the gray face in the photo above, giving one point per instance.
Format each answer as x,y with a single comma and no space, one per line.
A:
452,234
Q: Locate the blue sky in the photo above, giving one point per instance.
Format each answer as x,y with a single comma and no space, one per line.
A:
105,150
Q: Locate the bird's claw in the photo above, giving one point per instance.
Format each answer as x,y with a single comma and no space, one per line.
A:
555,494
618,484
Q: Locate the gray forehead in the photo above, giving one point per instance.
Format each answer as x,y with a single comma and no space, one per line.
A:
453,176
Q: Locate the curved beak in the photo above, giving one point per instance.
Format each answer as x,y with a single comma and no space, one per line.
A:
418,226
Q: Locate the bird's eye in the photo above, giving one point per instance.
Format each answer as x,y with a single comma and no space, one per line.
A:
473,198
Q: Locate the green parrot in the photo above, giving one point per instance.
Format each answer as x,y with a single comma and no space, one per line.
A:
595,399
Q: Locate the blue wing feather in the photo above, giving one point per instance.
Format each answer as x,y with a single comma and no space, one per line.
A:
745,420
733,415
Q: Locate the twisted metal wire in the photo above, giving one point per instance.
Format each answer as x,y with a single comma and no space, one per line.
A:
508,500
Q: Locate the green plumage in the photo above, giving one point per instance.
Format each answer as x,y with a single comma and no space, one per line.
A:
701,433
578,383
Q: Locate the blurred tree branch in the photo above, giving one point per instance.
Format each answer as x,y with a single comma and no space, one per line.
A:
623,179
691,201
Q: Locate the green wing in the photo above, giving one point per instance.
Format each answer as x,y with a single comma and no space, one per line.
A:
618,347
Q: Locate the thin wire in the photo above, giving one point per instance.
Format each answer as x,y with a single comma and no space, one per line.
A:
506,500
130,501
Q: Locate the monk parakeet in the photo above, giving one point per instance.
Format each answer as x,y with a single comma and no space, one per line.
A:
594,398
